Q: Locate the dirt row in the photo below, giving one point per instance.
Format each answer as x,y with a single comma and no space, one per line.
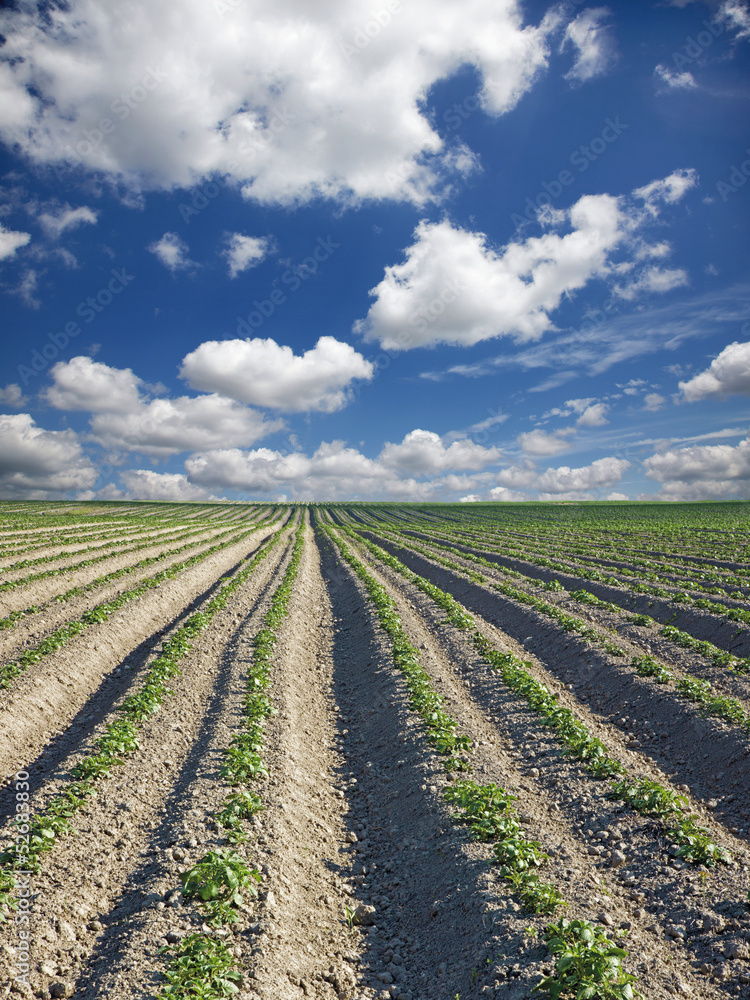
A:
635,640
54,692
354,816
33,628
701,624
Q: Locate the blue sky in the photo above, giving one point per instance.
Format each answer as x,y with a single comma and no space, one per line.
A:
375,250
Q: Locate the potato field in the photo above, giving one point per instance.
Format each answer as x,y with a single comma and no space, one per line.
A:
358,751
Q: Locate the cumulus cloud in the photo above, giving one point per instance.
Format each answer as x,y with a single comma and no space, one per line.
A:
538,442
552,483
675,81
125,418
593,43
245,252
85,384
265,373
11,240
653,401
173,252
594,416
62,217
38,464
727,375
290,102
700,472
454,288
11,395
144,484
423,453
337,471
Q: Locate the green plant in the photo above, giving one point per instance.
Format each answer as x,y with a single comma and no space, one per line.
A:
218,880
202,968
588,964
648,797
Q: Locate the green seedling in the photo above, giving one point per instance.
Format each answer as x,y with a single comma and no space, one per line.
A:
648,797
218,880
588,964
202,968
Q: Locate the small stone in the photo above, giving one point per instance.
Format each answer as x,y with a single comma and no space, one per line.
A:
178,854
385,977
617,858
173,936
735,949
364,915
604,918
94,925
713,922
60,990
675,931
352,837
534,772
435,908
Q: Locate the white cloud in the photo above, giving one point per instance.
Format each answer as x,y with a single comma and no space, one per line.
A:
538,442
336,471
28,287
551,483
245,252
423,453
737,17
593,43
669,189
40,464
594,416
675,81
84,384
727,375
453,288
11,395
172,251
702,471
11,240
144,484
652,279
289,101
265,373
653,401
124,418
62,217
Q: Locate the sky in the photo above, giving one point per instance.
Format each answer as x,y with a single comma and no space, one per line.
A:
375,249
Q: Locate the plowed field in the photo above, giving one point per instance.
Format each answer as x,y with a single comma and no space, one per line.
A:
357,751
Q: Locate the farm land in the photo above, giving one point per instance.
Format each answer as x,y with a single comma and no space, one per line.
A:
358,751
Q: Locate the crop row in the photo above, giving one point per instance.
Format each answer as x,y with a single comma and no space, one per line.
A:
587,962
33,838
624,579
102,612
694,689
692,842
201,965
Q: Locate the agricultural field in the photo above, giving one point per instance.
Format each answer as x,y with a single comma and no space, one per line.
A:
358,751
